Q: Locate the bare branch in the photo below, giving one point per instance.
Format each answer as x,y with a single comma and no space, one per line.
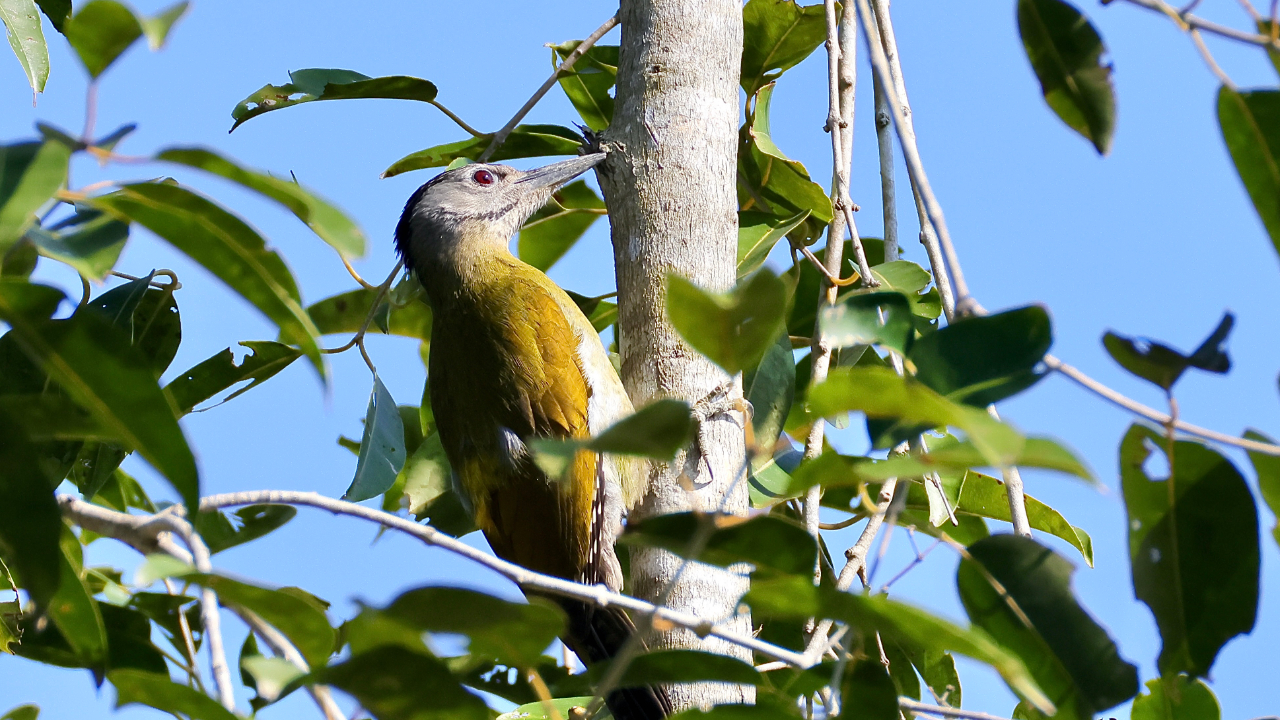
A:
913,706
501,136
1186,21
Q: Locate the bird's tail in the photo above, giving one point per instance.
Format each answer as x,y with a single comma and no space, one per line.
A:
597,634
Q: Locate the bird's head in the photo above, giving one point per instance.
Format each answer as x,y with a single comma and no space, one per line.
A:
477,204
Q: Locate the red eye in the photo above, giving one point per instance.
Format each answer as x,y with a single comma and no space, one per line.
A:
484,177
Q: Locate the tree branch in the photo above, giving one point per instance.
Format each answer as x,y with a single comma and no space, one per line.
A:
1187,21
913,706
501,136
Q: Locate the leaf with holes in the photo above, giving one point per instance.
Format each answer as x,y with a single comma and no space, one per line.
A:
221,372
1162,365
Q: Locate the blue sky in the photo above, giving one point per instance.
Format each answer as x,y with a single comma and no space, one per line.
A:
1157,239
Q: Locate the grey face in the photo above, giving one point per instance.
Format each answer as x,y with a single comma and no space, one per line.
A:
477,203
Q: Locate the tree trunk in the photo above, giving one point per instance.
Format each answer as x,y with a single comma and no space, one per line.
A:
671,192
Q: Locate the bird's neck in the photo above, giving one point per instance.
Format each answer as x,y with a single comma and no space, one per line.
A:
456,271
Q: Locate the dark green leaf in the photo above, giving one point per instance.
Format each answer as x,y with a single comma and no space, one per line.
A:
26,37
658,430
1250,124
766,541
51,416
777,36
299,616
22,712
325,84
148,315
1193,548
1020,592
758,232
879,392
523,142
96,365
1065,51
395,683
221,531
129,640
982,360
1162,365
868,693
58,12
330,223
382,452
428,490
1267,468
75,612
89,241
770,388
225,245
549,233
600,312
1176,697
100,32
345,313
733,329
158,691
20,260
30,522
806,280
220,372
880,318
588,84
514,633
30,173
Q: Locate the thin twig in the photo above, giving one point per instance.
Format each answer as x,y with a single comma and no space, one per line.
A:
831,277
188,642
501,136
1208,59
461,123
1192,21
352,271
358,338
933,226
1155,416
914,706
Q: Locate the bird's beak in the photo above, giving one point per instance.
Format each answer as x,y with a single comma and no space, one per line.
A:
555,175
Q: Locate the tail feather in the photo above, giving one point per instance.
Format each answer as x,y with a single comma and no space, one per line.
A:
597,634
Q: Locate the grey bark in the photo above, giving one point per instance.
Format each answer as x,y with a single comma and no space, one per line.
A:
670,186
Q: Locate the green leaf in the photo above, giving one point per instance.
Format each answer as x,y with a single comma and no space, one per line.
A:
395,683
770,388
1020,592
158,26
129,640
298,615
766,174
26,37
600,312
96,365
514,633
658,430
758,232
588,84
733,329
869,692
30,521
30,173
271,675
89,241
382,451
1193,548
58,12
776,36
225,245
985,359
158,691
428,490
806,280
537,710
1065,51
52,416
1162,365
345,313
549,233
251,522
328,222
20,260
1036,452
148,315
100,32
74,611
1267,468
326,84
1176,697
985,496
1250,123
28,711
879,318
881,393
911,280
212,376
766,541
523,142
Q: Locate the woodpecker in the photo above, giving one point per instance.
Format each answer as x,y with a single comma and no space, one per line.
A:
514,359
